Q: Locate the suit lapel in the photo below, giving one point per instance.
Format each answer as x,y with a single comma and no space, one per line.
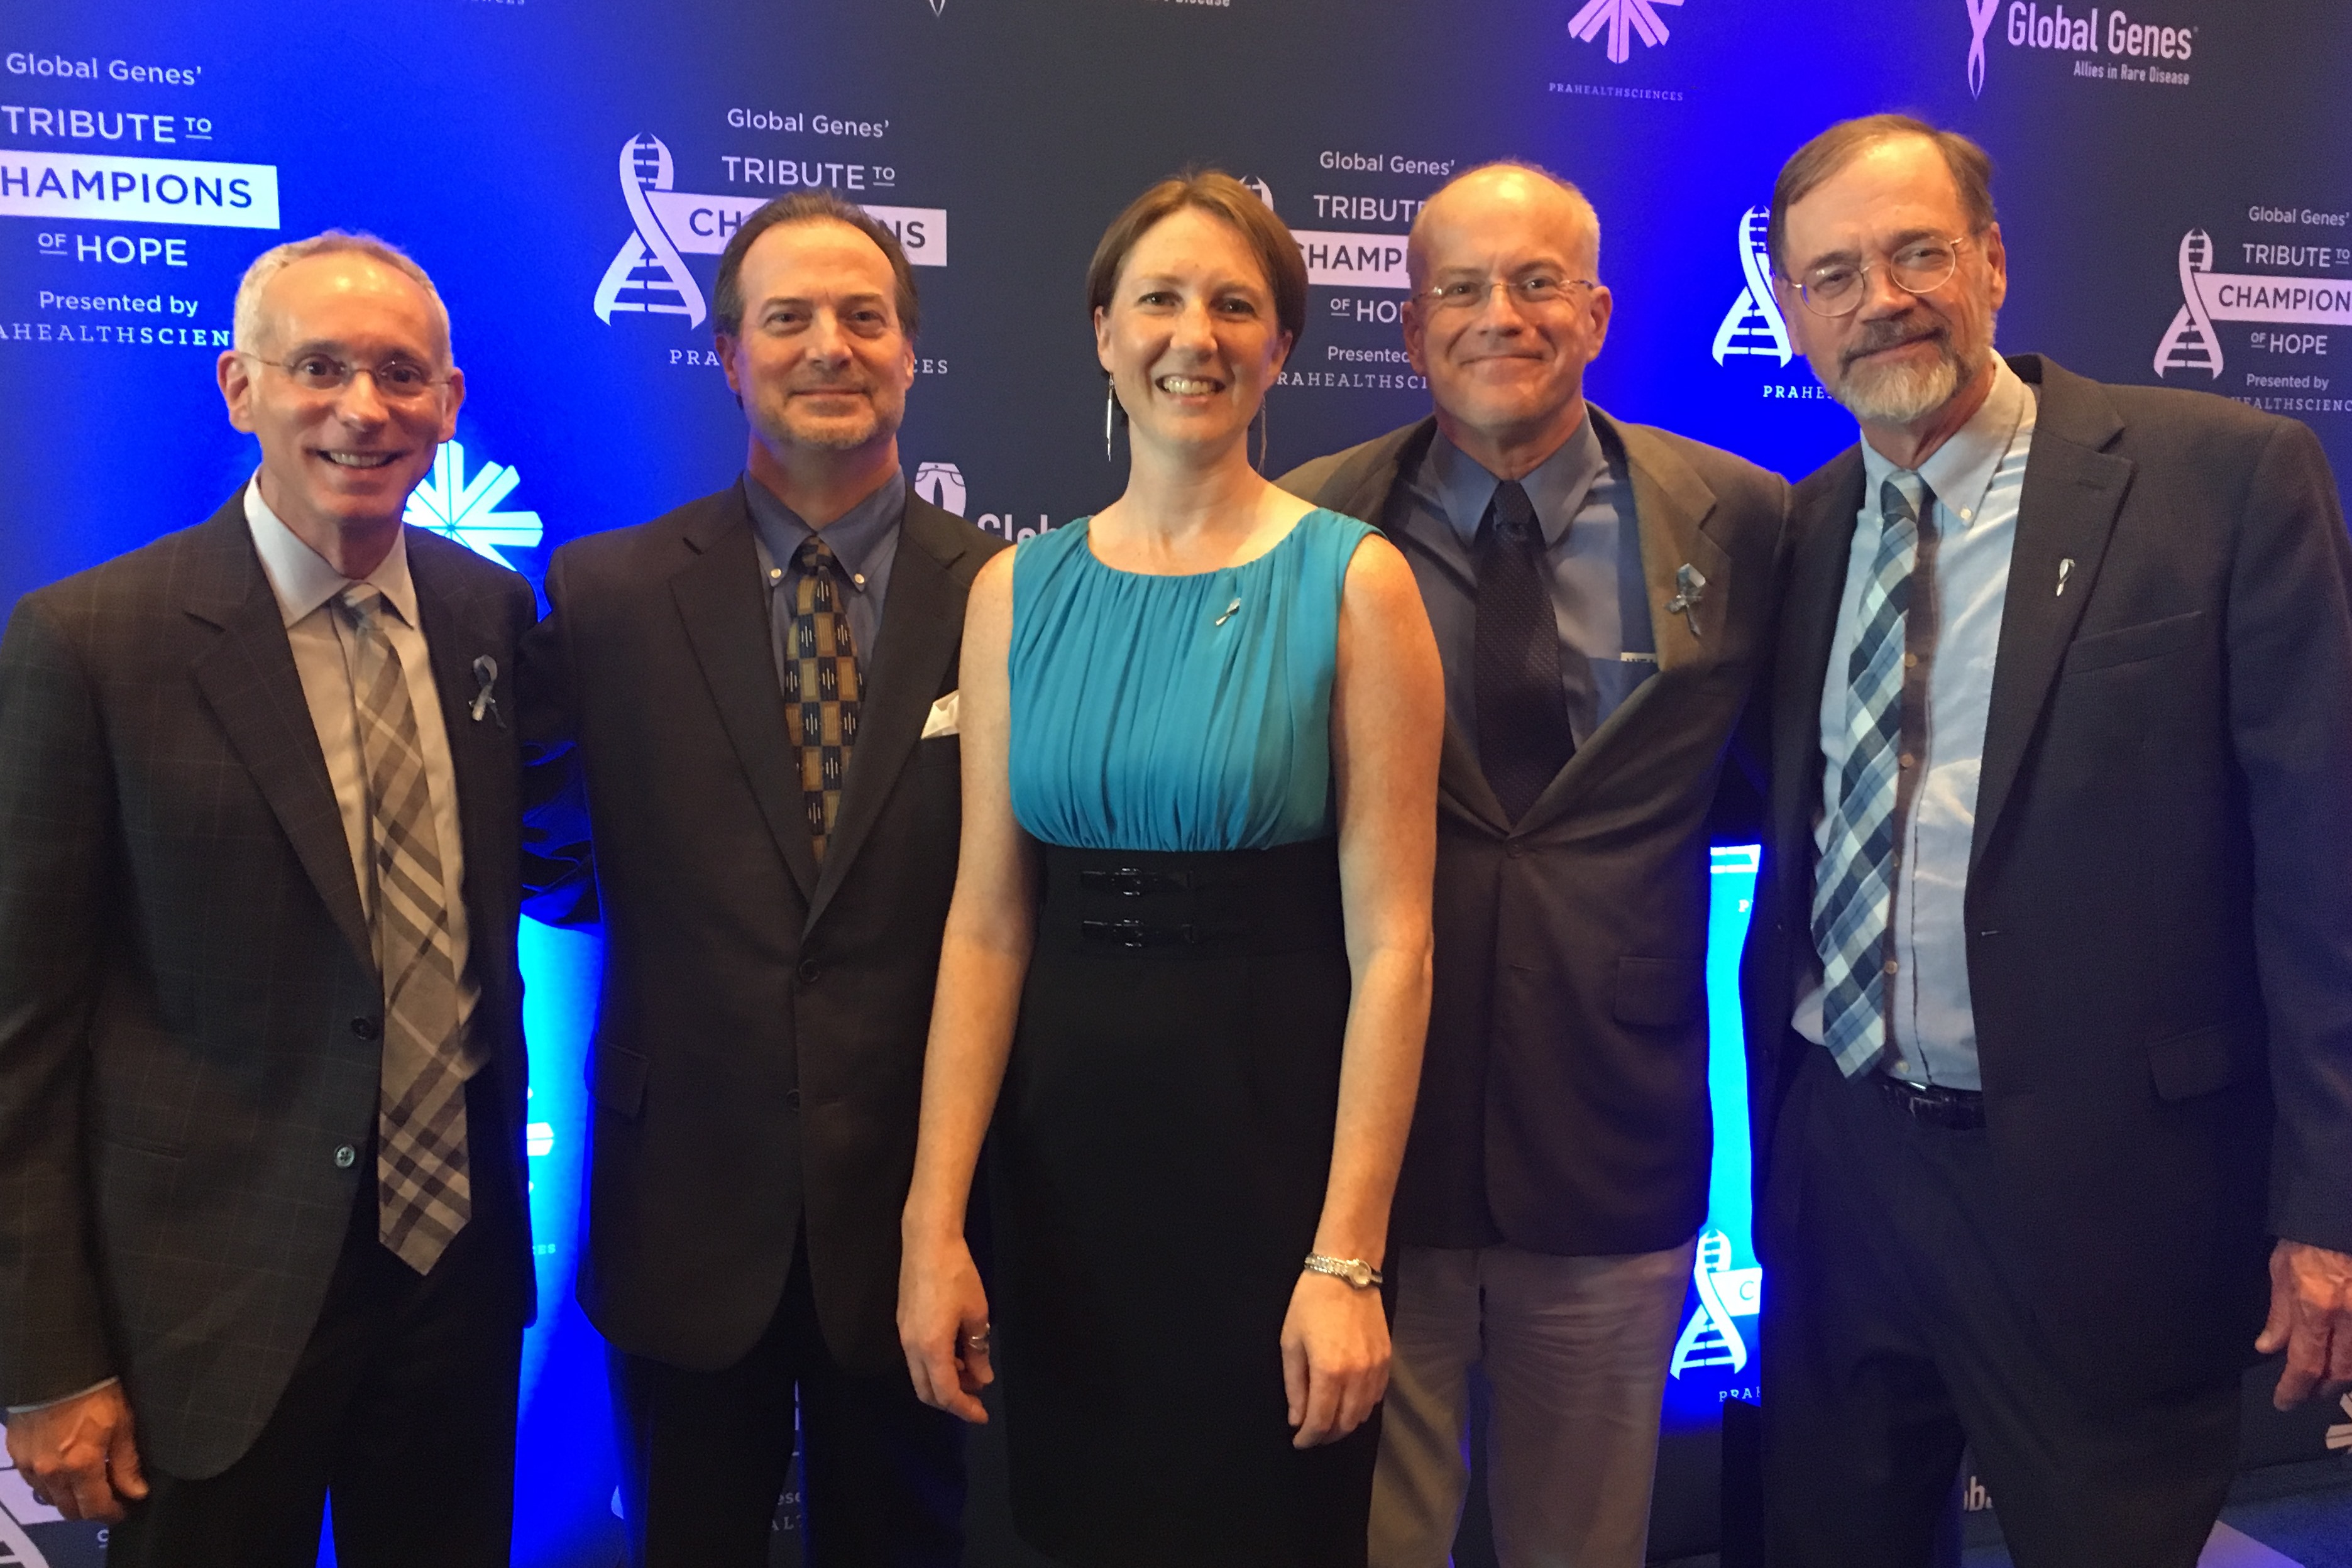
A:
1671,506
1809,624
717,597
247,676
1360,488
922,626
2074,488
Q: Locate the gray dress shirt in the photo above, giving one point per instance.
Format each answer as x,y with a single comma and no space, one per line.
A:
1584,503
1978,476
865,539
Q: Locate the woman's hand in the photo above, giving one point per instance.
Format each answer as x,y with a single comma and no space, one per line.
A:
943,1327
1335,1357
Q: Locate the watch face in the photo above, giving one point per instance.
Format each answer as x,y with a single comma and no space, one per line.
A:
1360,1276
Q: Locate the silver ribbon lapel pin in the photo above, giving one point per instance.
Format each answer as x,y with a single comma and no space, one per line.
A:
486,671
1690,587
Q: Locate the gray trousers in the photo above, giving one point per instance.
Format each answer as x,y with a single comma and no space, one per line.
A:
1575,1350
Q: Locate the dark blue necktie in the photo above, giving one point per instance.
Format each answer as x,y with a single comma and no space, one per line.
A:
1523,734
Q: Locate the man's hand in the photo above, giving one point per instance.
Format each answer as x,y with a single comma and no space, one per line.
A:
1335,1358
2311,1318
79,1456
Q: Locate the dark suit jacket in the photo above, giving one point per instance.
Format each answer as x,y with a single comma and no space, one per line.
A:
2159,892
1563,1093
759,1057
189,1005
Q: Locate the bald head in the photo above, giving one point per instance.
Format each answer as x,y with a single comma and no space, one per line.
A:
1547,208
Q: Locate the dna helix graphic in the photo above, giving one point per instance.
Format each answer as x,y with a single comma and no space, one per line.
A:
647,275
1711,1338
1753,325
1980,15
2190,343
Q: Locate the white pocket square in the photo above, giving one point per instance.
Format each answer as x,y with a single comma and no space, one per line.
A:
942,718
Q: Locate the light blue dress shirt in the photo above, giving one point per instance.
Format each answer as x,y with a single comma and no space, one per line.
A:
1978,476
1584,503
865,539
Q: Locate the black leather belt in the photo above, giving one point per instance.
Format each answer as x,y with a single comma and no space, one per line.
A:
1957,1110
1136,934
1131,881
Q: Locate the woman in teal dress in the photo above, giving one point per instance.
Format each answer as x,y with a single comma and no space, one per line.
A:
1186,970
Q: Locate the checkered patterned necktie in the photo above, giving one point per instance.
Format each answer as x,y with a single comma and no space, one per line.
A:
822,683
423,1195
1853,893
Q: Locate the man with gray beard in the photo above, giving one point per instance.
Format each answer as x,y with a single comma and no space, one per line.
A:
2046,988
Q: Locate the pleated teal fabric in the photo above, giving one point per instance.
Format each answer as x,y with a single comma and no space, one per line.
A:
1177,712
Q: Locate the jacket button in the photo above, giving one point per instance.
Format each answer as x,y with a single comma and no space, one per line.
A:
809,971
792,1098
1514,849
366,1029
346,1157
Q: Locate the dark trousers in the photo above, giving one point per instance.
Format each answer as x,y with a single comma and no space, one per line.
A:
401,1408
1899,1324
704,1455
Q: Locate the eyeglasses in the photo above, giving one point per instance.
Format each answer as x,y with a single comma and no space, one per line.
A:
397,381
1535,290
1837,288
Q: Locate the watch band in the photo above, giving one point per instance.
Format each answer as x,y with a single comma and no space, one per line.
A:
1354,1270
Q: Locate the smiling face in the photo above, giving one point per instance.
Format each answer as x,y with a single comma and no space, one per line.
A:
1190,337
1505,373
1899,359
823,362
341,461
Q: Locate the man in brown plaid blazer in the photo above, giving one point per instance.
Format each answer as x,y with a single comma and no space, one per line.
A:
262,1223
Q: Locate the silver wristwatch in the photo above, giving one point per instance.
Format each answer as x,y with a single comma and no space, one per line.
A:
1354,1271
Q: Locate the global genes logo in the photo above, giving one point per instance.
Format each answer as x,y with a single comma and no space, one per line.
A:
1624,20
2135,51
648,275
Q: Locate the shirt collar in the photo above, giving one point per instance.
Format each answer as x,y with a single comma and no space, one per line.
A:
854,536
1556,488
301,577
1960,471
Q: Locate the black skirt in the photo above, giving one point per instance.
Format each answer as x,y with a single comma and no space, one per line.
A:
1160,1155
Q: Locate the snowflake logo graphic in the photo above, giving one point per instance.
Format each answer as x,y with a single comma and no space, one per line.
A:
1621,18
466,510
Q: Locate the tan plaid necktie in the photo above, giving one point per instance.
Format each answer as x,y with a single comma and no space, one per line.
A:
423,1195
820,682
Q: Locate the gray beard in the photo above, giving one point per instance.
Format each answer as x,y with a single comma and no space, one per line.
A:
1897,395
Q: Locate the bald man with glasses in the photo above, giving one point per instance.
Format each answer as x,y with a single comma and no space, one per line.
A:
1601,591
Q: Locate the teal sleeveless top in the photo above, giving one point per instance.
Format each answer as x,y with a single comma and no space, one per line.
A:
1176,713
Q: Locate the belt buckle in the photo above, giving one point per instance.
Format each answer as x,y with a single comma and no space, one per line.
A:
1126,933
1130,881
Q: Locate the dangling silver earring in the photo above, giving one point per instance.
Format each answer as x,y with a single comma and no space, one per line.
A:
1263,425
1110,406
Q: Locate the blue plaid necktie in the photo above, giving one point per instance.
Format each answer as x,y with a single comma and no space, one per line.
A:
1853,893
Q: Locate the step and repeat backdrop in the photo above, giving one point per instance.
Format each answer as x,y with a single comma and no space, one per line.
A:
2175,184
